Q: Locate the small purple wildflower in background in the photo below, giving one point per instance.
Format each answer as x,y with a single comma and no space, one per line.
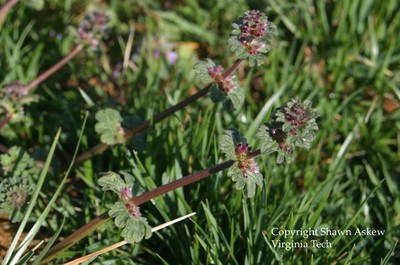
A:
92,28
171,56
247,165
116,73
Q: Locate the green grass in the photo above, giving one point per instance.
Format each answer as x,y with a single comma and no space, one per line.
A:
342,55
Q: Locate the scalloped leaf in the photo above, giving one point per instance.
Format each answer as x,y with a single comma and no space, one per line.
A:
227,145
135,228
201,71
242,182
236,97
228,142
114,182
17,162
284,155
267,144
109,126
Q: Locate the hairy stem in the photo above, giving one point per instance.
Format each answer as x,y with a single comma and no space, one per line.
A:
5,8
145,197
101,147
55,67
46,74
230,70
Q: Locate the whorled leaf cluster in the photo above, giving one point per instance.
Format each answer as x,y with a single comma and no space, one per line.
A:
226,89
93,28
127,215
251,36
13,98
291,126
16,182
244,172
111,126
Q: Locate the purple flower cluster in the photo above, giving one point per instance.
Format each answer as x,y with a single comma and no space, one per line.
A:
254,24
92,28
250,36
296,115
246,164
225,84
17,196
16,89
125,195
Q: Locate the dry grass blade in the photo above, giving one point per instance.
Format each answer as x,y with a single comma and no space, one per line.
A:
119,244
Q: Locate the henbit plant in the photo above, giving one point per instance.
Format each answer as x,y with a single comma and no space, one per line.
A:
15,95
250,39
292,125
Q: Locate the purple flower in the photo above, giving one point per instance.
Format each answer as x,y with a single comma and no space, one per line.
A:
17,196
132,209
92,28
254,24
16,89
126,193
246,164
116,73
251,35
225,84
172,56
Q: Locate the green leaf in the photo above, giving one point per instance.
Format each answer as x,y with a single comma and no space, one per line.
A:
216,94
234,99
228,142
135,228
32,204
249,178
114,182
17,162
109,126
267,144
248,182
201,71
